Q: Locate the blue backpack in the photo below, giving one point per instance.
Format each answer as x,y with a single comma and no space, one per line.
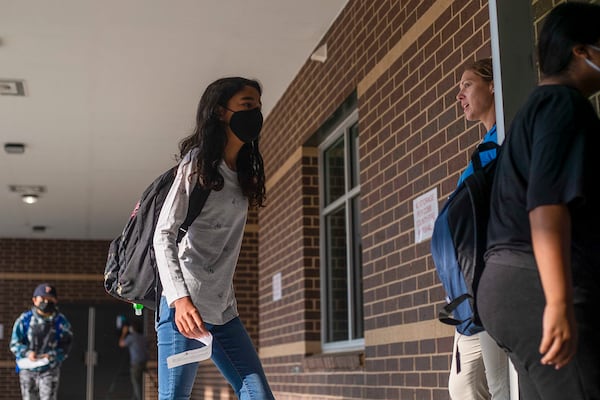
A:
459,241
27,320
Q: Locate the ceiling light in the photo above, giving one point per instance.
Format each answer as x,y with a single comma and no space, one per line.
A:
12,87
29,198
14,148
29,193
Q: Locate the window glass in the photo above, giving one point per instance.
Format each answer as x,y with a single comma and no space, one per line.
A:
337,287
334,171
341,247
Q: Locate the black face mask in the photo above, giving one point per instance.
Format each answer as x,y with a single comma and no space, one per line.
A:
47,307
246,124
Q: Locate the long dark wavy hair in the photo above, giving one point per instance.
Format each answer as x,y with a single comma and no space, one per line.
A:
210,138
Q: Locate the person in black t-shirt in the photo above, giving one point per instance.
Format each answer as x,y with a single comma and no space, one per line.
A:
541,285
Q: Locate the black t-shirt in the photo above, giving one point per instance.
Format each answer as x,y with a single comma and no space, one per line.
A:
551,156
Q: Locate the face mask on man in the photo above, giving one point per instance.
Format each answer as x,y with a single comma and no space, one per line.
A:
246,124
590,62
47,307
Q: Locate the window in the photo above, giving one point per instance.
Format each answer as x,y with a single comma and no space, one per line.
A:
341,258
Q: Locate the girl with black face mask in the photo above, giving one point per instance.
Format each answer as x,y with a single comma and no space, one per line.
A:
198,299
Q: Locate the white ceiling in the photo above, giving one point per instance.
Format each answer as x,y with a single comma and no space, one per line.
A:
111,87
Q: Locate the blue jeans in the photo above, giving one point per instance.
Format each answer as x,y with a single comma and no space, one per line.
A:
233,353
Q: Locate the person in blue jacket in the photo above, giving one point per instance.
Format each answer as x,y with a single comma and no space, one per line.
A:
479,368
41,340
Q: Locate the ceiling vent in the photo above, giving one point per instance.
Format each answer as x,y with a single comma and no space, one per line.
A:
27,189
14,148
12,87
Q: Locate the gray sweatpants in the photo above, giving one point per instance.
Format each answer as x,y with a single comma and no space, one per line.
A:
39,385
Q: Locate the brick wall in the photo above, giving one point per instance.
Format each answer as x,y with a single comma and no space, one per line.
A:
403,60
76,268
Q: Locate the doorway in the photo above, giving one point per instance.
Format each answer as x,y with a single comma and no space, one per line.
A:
97,368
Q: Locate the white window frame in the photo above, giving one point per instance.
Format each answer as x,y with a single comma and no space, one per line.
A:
342,129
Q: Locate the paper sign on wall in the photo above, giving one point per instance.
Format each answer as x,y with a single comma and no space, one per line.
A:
277,286
425,211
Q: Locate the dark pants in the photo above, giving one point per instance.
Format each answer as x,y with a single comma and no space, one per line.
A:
137,380
511,303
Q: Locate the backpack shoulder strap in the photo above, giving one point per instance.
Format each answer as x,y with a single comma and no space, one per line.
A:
197,201
445,314
57,325
27,321
485,146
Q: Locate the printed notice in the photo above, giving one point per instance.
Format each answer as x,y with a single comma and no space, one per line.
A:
277,286
425,211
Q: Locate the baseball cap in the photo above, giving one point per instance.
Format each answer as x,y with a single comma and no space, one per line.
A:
45,290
